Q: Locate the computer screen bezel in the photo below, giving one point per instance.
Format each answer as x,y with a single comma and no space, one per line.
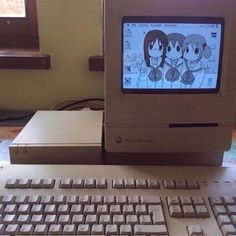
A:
173,19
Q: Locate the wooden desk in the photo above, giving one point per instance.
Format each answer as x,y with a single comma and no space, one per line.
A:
9,132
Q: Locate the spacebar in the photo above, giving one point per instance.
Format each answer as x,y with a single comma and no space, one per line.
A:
150,229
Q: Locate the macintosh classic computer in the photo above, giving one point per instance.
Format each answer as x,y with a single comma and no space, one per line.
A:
170,71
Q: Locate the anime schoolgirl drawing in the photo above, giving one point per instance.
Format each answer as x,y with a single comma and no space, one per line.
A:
195,49
174,60
151,74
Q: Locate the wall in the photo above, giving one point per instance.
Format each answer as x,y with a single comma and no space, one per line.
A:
70,31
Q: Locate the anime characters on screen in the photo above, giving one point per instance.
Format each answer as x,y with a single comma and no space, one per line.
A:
173,60
155,43
195,49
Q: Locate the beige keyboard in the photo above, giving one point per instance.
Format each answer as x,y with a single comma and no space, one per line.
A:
117,200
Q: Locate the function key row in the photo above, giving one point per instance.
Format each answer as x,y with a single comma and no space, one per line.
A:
89,183
100,183
135,184
180,184
30,183
37,183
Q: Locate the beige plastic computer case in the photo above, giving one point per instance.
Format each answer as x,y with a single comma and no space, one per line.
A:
143,125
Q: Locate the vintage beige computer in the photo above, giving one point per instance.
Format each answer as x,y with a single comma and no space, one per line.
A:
170,71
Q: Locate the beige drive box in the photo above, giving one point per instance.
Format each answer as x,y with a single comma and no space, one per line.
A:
60,137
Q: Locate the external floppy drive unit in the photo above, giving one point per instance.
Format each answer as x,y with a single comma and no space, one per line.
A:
60,137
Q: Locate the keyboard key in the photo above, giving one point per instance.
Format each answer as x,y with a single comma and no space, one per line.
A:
228,230
115,210
36,183
24,209
97,230
76,209
105,219
141,184
126,230
192,184
35,199
9,199
12,229
46,199
9,219
185,200
55,229
180,184
150,200
50,209
118,220
73,199
63,209
22,199
96,199
59,199
89,183
231,209
91,219
48,183
23,219
169,184
215,201
132,219
50,219
202,211
223,220
133,200
66,183
121,200
109,199
77,219
118,183
69,229
26,229
172,200
24,183
77,183
145,220
152,184
130,184
128,210
219,210
198,201
36,209
12,183
84,199
64,219
194,230
101,183
141,210
10,209
41,229
102,210
175,211
37,219
150,229
111,230
188,211
83,229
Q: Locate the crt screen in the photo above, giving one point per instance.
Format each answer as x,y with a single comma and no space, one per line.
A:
164,55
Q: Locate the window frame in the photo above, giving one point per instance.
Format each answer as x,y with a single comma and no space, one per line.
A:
20,32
